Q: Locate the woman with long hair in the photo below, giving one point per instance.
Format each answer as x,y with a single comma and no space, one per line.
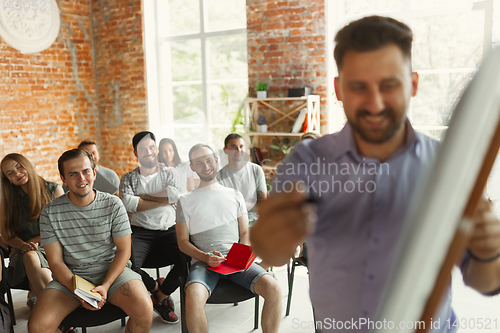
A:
24,194
169,156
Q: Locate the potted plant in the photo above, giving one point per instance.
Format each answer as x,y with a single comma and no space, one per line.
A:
261,89
262,124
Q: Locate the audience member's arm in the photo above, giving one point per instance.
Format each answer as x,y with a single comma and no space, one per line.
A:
57,265
15,242
243,229
261,185
119,262
188,248
160,196
484,244
131,201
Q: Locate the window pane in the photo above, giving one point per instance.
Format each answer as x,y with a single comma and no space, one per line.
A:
436,98
178,17
436,134
186,137
358,7
225,14
218,136
225,100
186,60
496,23
418,4
187,103
448,41
228,57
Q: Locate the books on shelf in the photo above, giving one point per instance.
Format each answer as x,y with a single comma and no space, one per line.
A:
297,124
238,259
82,288
256,155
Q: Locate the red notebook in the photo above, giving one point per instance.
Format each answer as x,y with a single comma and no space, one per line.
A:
239,258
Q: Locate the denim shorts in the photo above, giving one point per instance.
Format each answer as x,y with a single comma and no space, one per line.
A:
247,279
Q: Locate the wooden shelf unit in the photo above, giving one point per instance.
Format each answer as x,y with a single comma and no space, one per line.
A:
276,127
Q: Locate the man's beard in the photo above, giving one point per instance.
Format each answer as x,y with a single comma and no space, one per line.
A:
208,178
148,164
384,134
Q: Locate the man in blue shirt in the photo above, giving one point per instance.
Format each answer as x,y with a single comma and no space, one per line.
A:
363,179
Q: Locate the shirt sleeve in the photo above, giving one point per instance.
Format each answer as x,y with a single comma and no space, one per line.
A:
242,209
47,234
172,187
260,179
130,200
180,215
120,225
114,179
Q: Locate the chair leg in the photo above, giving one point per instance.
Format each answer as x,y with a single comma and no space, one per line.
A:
256,318
123,322
11,305
183,306
157,272
290,289
84,329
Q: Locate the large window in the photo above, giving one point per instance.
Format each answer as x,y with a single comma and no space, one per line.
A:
450,38
197,68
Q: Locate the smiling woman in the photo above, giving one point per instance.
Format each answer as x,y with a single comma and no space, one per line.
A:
24,194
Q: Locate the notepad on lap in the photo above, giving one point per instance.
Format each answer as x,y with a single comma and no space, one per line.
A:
82,288
239,258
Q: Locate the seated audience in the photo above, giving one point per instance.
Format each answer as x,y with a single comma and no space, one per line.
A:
215,217
148,193
24,194
109,175
87,232
169,156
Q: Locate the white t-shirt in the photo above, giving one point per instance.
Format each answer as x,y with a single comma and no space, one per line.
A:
212,217
185,172
159,218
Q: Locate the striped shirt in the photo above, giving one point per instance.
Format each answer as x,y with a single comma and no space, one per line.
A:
85,233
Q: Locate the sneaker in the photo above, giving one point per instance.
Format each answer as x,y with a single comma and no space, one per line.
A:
170,300
165,310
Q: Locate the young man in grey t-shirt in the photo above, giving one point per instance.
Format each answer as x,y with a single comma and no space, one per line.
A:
215,217
86,232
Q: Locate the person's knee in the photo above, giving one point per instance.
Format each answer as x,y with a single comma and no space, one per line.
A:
268,287
196,295
30,258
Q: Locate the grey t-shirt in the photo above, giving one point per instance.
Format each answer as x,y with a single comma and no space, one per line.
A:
86,233
212,217
248,180
109,175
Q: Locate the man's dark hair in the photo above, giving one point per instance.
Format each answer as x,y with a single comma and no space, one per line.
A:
372,33
72,154
86,143
199,146
141,135
231,137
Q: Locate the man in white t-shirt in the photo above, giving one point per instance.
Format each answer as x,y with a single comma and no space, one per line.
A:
215,217
243,175
148,193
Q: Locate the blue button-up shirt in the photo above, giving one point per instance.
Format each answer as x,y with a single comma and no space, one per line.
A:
362,206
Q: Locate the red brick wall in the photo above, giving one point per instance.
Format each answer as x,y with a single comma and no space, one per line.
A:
47,99
287,47
121,79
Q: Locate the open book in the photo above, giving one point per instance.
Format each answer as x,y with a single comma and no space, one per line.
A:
82,288
239,258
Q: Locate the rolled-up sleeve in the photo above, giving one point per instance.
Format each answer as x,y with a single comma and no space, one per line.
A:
130,200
